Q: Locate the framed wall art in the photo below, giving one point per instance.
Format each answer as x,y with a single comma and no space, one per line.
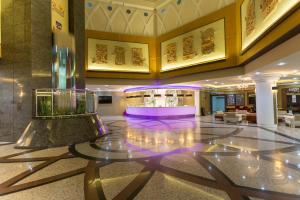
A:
202,45
258,16
117,56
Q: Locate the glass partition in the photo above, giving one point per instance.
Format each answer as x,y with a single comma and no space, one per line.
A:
56,102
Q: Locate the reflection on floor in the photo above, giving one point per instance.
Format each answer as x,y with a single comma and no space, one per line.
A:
159,159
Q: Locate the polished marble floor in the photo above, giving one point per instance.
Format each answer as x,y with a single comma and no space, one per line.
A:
193,158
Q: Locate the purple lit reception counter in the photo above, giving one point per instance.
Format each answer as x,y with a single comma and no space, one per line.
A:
161,112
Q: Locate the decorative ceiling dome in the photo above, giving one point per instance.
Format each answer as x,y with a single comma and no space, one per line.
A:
146,17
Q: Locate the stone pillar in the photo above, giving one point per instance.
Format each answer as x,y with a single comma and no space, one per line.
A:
265,105
27,57
77,27
197,103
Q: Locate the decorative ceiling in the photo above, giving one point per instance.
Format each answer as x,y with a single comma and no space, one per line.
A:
146,17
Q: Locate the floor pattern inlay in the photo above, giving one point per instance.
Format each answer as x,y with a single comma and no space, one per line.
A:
189,158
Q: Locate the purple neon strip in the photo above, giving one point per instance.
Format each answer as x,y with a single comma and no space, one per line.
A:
161,111
160,117
162,87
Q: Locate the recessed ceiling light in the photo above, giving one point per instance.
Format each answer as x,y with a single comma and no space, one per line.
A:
295,78
281,63
207,80
106,85
257,73
216,82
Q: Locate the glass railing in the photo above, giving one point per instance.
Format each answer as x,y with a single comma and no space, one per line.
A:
69,102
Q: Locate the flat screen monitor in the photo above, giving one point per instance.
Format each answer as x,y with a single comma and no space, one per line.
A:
105,99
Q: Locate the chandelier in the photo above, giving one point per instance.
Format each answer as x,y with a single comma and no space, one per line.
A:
242,86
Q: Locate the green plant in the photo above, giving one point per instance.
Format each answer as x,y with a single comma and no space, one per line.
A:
44,106
80,108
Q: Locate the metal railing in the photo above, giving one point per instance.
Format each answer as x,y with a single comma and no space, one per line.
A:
68,102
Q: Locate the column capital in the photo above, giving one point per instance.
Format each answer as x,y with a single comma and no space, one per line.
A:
262,78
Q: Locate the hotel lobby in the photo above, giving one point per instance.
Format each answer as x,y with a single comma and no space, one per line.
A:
150,99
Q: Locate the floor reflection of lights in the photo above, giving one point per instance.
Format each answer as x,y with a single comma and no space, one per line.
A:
160,159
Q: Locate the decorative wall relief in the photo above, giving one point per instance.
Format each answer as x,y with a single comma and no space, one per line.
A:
202,45
137,56
188,47
267,6
101,54
208,41
117,56
172,52
259,16
250,18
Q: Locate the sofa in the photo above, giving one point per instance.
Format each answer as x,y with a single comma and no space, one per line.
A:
292,120
232,117
219,115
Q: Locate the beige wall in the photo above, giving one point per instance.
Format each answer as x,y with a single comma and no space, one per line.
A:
117,107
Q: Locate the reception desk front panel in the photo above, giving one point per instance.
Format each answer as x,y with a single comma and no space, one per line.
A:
161,112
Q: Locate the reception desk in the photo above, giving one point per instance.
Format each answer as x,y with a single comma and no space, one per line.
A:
161,112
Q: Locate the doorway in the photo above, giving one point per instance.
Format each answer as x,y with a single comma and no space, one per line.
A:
218,103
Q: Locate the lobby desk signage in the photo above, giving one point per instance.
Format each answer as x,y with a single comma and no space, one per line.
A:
116,56
257,16
202,45
60,15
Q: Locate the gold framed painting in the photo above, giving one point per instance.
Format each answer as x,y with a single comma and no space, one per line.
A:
117,56
259,16
202,45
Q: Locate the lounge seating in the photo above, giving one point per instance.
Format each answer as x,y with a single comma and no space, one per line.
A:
280,115
219,115
292,120
232,117
251,117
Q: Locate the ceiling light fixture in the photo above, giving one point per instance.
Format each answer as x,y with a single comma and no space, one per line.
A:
281,63
242,86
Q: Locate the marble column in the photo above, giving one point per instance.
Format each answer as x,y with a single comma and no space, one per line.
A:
197,103
27,58
265,105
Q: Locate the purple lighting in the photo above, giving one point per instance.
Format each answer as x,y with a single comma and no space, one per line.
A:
161,112
184,87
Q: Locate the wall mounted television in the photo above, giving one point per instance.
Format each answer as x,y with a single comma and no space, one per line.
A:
105,100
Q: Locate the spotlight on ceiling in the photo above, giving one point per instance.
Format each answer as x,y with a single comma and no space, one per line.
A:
281,63
257,73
